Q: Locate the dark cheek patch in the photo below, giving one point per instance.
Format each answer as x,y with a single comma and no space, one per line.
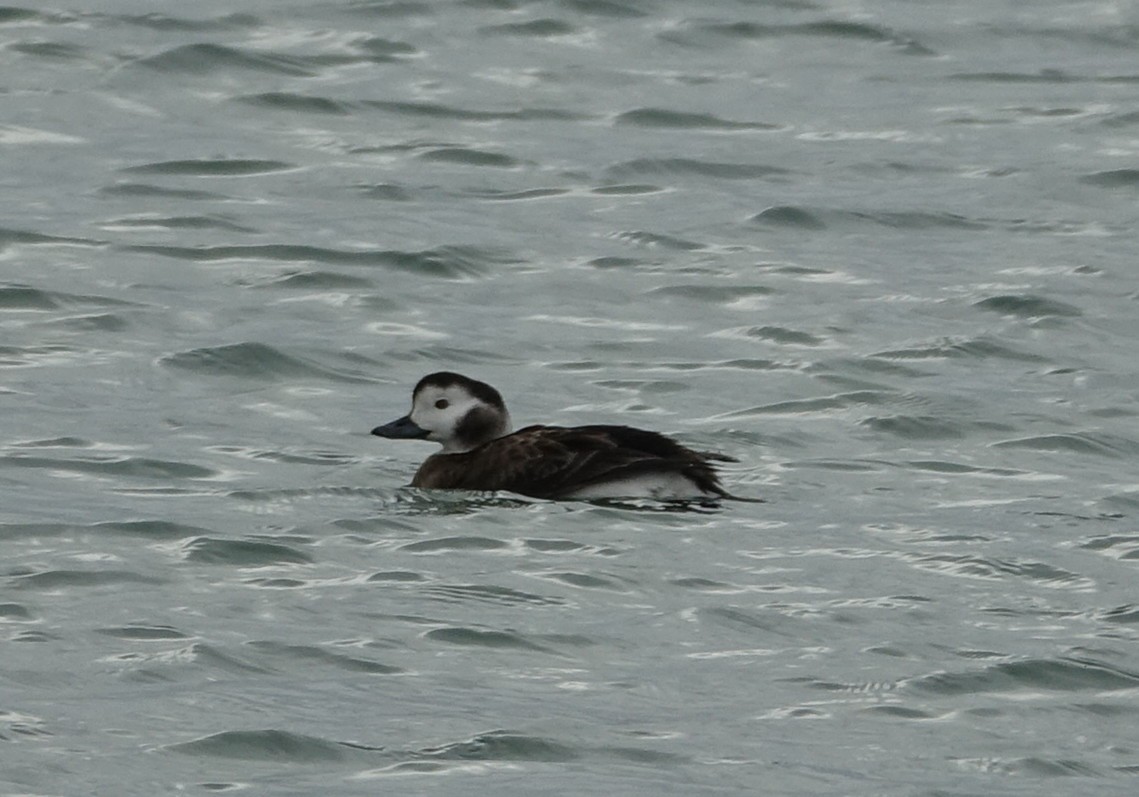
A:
478,426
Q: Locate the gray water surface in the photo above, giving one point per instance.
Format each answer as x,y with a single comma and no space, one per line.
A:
881,252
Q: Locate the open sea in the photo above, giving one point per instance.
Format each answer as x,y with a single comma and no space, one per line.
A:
883,252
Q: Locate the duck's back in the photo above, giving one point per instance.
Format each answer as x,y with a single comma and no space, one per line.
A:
577,462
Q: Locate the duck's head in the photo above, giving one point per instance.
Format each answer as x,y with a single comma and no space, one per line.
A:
458,412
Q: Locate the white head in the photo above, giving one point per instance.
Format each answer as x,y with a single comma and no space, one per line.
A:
453,410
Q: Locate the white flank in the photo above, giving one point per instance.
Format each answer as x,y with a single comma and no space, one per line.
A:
660,486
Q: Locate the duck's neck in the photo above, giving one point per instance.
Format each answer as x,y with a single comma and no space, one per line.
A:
479,426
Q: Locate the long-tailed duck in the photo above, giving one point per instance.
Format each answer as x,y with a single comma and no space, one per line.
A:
480,452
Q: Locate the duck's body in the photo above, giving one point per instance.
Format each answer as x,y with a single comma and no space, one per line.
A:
579,462
480,452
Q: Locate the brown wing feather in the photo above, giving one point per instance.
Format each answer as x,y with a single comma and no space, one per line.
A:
552,461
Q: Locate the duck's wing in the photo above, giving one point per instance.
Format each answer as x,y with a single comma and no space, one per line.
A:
642,452
554,461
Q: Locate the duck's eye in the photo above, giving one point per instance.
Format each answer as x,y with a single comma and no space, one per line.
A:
442,404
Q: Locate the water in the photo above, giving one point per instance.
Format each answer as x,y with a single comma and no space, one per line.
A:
882,252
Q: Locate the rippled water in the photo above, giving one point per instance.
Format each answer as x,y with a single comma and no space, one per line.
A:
881,252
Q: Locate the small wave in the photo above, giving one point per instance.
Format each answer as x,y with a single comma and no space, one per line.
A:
11,14
15,613
206,58
687,166
22,297
785,337
292,458
296,103
25,297
707,585
1043,76
616,262
739,364
1126,615
843,29
919,220
55,442
514,196
503,746
795,216
536,28
312,653
772,622
383,50
17,134
452,262
980,348
139,467
453,354
446,544
63,579
1077,443
143,190
979,567
202,656
845,465
277,583
434,110
916,427
789,216
708,32
152,529
145,633
463,593
388,192
211,167
957,468
901,712
663,117
243,553
252,361
1128,500
263,745
461,635
165,22
1113,178
1117,546
714,294
470,157
586,581
644,386
1125,119
316,280
627,189
389,8
511,746
55,51
11,237
604,8
396,576
557,546
839,401
18,356
652,239
95,322
1026,306
178,223
1065,674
